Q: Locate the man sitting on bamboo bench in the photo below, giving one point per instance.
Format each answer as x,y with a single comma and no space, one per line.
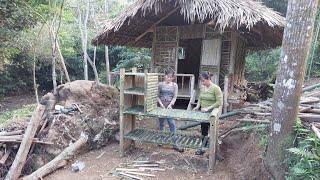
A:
210,100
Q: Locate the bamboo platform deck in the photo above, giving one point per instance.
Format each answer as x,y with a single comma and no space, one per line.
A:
178,114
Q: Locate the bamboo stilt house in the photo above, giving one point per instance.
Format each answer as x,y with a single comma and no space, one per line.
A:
190,36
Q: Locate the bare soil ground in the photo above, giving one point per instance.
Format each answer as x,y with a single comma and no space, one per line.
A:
242,160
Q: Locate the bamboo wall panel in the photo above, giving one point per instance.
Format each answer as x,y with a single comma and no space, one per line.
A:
192,31
225,57
165,48
151,86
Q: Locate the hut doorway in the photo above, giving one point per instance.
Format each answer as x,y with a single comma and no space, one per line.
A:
189,57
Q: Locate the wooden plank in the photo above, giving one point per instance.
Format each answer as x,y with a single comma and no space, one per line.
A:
20,159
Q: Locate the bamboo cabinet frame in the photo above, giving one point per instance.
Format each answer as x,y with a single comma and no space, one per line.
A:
138,96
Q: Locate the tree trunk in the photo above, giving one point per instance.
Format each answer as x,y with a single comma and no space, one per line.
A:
85,40
53,55
107,48
58,161
84,36
65,71
95,72
295,48
20,159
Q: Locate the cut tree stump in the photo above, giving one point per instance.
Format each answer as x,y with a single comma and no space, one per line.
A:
60,160
18,163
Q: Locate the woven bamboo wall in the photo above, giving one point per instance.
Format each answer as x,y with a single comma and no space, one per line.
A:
165,48
151,88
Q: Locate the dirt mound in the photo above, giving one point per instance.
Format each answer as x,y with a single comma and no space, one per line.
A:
85,106
243,157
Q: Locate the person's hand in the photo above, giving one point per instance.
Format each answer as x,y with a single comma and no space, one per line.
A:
196,108
169,106
162,106
204,110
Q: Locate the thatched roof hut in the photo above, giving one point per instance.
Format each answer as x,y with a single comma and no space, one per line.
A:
192,36
258,24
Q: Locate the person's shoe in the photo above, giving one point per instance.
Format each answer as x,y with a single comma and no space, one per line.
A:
199,152
180,150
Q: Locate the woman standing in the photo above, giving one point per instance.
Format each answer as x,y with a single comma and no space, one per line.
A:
210,99
168,92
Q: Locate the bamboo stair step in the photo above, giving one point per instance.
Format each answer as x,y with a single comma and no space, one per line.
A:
167,138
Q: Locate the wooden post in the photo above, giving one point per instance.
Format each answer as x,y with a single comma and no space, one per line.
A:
225,94
19,161
125,120
213,140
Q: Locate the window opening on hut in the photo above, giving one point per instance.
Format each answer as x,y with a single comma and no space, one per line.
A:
182,54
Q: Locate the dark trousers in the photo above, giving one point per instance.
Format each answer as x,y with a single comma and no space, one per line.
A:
205,129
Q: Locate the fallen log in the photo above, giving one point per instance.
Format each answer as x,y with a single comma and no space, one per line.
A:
11,133
315,111
58,161
18,163
253,120
309,100
5,157
305,109
19,138
309,117
309,88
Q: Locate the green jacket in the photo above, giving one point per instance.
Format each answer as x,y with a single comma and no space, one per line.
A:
212,97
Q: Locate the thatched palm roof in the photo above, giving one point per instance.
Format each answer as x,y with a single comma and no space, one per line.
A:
144,14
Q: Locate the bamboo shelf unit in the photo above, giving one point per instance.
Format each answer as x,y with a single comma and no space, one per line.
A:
138,97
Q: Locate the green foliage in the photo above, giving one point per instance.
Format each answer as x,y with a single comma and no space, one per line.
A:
278,5
25,111
261,130
130,58
304,158
262,65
